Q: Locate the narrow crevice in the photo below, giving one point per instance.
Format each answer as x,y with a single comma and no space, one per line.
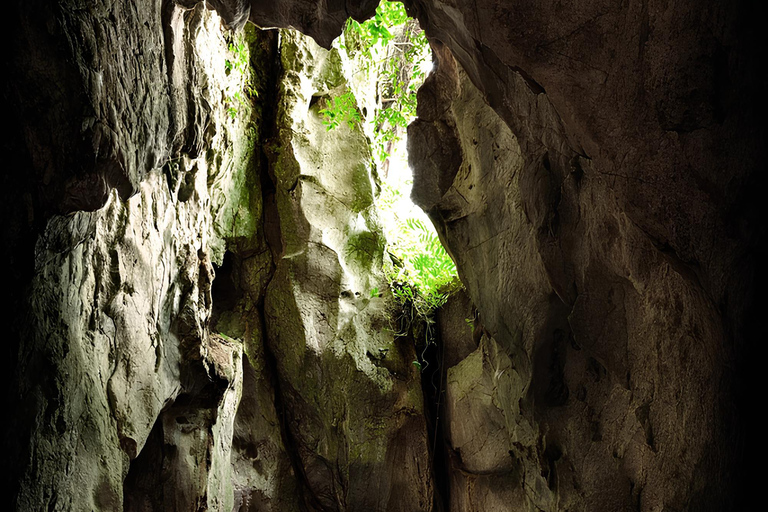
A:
166,12
309,501
431,350
226,294
273,239
140,487
271,371
159,477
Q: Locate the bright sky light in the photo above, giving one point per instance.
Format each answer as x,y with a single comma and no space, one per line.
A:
400,58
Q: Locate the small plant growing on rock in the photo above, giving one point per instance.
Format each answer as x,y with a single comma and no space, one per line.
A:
240,55
341,109
240,64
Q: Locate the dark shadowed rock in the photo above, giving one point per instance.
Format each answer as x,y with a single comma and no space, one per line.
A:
594,240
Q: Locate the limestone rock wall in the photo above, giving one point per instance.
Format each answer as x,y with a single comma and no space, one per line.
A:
198,331
191,258
119,375
565,394
598,246
352,398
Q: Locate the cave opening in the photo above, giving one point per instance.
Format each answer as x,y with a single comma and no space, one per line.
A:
386,60
421,273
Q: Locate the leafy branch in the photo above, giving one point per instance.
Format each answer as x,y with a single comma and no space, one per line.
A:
240,55
392,33
395,37
341,109
240,63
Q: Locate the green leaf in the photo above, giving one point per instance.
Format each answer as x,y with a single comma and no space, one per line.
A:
342,108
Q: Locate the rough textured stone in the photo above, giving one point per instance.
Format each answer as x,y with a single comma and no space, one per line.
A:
323,22
109,103
120,379
159,387
593,168
493,445
351,396
615,335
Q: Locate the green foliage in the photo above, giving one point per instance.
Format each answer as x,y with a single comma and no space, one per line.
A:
240,57
399,73
377,30
233,104
425,261
422,272
396,38
240,64
341,109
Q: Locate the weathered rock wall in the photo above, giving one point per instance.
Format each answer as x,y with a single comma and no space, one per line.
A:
202,333
583,412
592,168
118,377
351,396
599,244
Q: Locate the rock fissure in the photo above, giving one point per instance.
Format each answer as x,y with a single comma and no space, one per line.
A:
192,256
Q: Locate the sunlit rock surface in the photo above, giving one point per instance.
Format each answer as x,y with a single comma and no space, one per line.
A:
352,397
154,374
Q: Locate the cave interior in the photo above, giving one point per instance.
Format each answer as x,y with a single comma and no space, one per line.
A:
200,316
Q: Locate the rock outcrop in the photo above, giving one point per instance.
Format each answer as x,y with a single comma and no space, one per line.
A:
120,382
564,393
198,315
599,245
351,396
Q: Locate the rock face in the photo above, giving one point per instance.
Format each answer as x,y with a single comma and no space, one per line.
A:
352,398
206,337
122,384
194,260
599,247
563,387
